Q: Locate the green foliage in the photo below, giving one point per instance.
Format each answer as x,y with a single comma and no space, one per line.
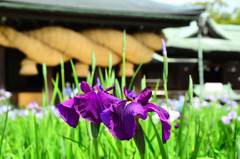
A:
214,8
202,134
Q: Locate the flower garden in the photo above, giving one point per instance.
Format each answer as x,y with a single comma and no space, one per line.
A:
107,119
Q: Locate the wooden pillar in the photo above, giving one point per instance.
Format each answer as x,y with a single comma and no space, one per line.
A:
2,68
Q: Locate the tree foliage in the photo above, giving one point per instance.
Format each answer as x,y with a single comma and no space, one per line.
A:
215,10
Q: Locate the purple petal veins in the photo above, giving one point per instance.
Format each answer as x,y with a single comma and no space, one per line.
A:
88,105
120,117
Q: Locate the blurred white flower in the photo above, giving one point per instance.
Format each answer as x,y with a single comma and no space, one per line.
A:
174,115
4,108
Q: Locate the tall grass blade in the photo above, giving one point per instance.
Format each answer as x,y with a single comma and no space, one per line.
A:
55,90
123,61
72,140
44,68
160,143
143,83
55,84
4,128
149,144
63,79
155,91
93,68
75,78
118,90
195,152
101,78
180,143
110,65
136,72
114,148
36,137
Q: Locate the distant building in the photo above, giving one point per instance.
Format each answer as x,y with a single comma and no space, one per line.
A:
27,15
221,52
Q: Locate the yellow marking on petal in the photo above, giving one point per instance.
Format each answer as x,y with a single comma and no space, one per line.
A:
154,104
128,102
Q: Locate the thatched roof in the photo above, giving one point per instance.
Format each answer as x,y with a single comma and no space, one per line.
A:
139,14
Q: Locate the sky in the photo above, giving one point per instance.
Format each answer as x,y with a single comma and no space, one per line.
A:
232,4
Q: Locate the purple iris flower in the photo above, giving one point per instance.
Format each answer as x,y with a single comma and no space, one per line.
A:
120,118
228,119
88,105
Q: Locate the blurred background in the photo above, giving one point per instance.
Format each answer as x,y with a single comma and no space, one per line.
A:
202,39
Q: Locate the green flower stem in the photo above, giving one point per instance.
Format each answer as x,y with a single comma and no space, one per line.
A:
95,130
63,79
139,138
45,83
123,62
165,76
95,142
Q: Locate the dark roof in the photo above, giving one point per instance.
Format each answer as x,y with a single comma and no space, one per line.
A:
139,13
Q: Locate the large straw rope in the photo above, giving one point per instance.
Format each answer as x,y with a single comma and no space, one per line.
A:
4,41
74,44
153,41
113,39
49,44
33,48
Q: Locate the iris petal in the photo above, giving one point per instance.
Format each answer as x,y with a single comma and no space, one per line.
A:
130,95
109,89
85,87
105,116
163,115
89,107
107,99
144,96
68,113
122,123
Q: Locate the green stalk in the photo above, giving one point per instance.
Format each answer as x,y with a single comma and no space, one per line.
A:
45,83
93,68
180,130
75,77
160,143
139,138
4,128
95,142
55,89
143,82
123,61
155,91
130,85
58,90
110,66
36,137
95,130
190,94
63,79
118,89
165,76
110,72
101,77
165,71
